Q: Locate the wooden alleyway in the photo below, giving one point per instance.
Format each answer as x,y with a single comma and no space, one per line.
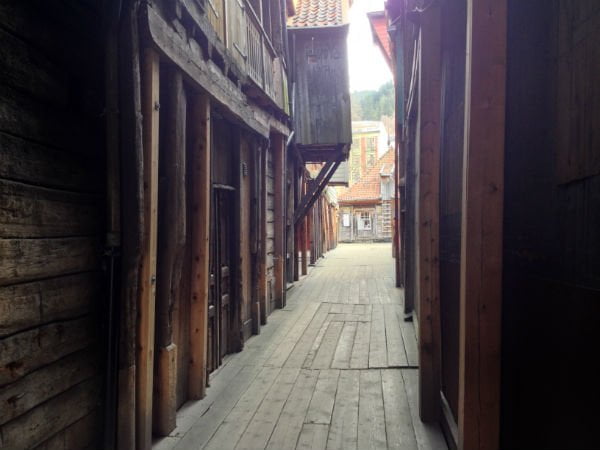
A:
335,369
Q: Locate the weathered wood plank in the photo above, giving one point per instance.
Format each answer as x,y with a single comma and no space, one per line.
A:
288,344
30,70
323,398
172,229
482,227
32,429
200,235
230,431
303,347
396,355
378,345
324,355
289,425
31,304
343,433
428,155
259,430
398,421
32,211
343,352
29,259
360,351
215,407
146,308
313,437
23,352
22,116
371,420
29,162
38,386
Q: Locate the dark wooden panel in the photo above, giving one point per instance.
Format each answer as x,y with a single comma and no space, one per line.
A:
43,384
32,304
31,211
29,70
63,410
29,162
28,259
551,242
24,352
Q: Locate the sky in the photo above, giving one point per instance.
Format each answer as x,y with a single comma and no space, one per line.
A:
368,69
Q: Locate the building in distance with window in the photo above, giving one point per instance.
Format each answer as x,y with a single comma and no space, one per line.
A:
366,207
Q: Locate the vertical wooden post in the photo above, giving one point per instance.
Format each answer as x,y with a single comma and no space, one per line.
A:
171,249
304,232
263,291
146,307
278,146
200,234
482,211
428,160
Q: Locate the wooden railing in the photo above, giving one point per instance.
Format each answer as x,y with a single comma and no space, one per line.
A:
239,29
254,63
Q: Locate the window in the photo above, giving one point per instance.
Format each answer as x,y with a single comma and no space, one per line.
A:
364,221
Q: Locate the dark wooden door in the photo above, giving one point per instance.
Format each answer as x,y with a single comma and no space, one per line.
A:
220,310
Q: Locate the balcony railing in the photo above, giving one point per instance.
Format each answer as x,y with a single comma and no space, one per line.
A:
239,29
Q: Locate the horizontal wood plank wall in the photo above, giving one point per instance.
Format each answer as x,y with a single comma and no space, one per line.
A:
481,245
51,215
428,156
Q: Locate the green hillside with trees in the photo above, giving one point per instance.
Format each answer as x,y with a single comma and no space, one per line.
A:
372,105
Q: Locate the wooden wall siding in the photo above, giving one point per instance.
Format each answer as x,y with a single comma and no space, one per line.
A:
551,255
322,101
451,159
578,123
51,215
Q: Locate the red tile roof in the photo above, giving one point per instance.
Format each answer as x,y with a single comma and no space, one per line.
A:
380,34
368,188
318,13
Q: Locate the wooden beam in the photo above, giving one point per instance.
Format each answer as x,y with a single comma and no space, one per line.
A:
201,190
278,146
304,244
146,307
171,248
482,214
428,160
317,187
263,292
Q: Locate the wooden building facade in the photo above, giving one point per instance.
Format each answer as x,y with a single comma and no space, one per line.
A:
498,112
148,200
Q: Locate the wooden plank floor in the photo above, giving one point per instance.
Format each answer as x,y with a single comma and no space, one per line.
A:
335,369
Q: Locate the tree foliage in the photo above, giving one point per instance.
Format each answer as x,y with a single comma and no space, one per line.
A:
372,105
